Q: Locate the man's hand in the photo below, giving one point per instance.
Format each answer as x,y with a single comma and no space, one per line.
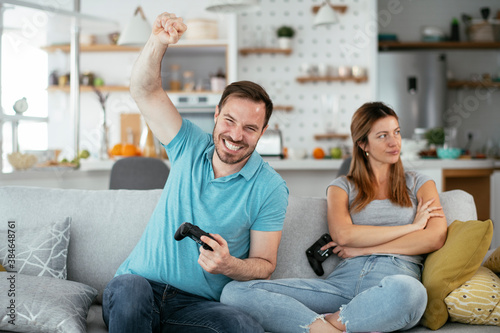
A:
169,28
217,261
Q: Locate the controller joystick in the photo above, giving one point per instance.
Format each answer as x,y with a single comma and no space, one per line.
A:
316,256
193,232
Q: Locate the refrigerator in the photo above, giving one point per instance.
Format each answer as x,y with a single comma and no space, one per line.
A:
414,84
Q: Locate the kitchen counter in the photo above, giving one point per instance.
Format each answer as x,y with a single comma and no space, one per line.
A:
334,164
306,177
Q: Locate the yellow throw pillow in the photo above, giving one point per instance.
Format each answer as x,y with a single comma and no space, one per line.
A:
449,267
477,301
493,261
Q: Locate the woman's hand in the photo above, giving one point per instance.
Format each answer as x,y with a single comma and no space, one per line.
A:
169,28
425,212
344,251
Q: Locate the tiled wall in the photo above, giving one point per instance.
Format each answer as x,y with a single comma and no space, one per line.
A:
312,46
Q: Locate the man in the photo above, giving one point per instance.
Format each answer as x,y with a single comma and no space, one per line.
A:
217,182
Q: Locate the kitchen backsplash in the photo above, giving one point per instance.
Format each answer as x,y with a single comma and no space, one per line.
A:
334,46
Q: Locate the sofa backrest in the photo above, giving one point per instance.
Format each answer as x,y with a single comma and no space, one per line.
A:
107,224
306,221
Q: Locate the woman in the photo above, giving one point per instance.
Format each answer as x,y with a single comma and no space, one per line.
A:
382,220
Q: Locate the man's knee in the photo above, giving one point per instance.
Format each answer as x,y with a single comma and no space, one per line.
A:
123,291
235,320
127,285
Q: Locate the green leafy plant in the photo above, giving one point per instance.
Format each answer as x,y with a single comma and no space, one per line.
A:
285,31
435,136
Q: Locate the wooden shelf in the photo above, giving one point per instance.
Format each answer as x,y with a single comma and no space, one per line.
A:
331,78
390,45
88,88
330,136
283,108
339,8
457,84
66,89
248,51
93,48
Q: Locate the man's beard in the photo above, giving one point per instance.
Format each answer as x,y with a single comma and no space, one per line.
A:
230,159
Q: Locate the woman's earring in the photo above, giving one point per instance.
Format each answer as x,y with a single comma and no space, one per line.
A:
367,154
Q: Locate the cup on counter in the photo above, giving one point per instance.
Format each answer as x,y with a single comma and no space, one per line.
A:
297,153
344,71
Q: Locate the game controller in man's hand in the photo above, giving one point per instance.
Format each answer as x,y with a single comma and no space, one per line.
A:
316,256
193,232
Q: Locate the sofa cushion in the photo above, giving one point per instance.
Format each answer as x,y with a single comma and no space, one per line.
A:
493,261
39,251
305,222
477,301
105,225
452,265
43,304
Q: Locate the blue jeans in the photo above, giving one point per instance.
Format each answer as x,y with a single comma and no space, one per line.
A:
373,293
134,304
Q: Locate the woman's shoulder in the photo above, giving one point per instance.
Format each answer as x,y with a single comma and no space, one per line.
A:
343,182
415,179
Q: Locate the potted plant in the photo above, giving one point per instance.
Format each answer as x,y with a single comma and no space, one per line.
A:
285,34
435,137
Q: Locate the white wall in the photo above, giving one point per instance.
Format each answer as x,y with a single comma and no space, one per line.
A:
115,68
351,42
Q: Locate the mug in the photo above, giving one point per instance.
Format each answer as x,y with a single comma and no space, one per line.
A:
344,71
358,71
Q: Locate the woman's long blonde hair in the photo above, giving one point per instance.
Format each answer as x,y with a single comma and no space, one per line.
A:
360,172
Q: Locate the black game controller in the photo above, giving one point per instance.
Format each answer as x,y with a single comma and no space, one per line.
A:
316,256
193,232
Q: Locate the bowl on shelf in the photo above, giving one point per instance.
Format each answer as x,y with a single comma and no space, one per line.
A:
449,153
21,161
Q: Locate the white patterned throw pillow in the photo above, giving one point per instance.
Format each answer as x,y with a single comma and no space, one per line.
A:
43,304
37,251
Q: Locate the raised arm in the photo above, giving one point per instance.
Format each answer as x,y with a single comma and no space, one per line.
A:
145,85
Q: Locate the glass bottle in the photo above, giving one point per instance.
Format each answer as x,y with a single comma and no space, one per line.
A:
175,79
188,81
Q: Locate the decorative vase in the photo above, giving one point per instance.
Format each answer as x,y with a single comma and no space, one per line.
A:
104,148
285,43
149,149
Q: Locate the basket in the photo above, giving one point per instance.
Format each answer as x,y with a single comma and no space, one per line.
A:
201,29
484,31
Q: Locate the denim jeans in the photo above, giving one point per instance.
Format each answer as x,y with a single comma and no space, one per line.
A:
373,293
134,304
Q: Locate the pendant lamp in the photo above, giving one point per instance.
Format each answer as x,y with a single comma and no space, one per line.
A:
232,6
137,31
326,15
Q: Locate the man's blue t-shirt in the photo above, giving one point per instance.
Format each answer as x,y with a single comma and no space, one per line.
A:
255,198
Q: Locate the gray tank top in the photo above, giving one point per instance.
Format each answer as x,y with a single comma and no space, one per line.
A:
384,212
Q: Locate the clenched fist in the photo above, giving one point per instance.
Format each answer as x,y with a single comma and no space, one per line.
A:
169,28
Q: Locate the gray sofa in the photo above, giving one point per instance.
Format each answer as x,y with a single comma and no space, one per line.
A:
106,225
